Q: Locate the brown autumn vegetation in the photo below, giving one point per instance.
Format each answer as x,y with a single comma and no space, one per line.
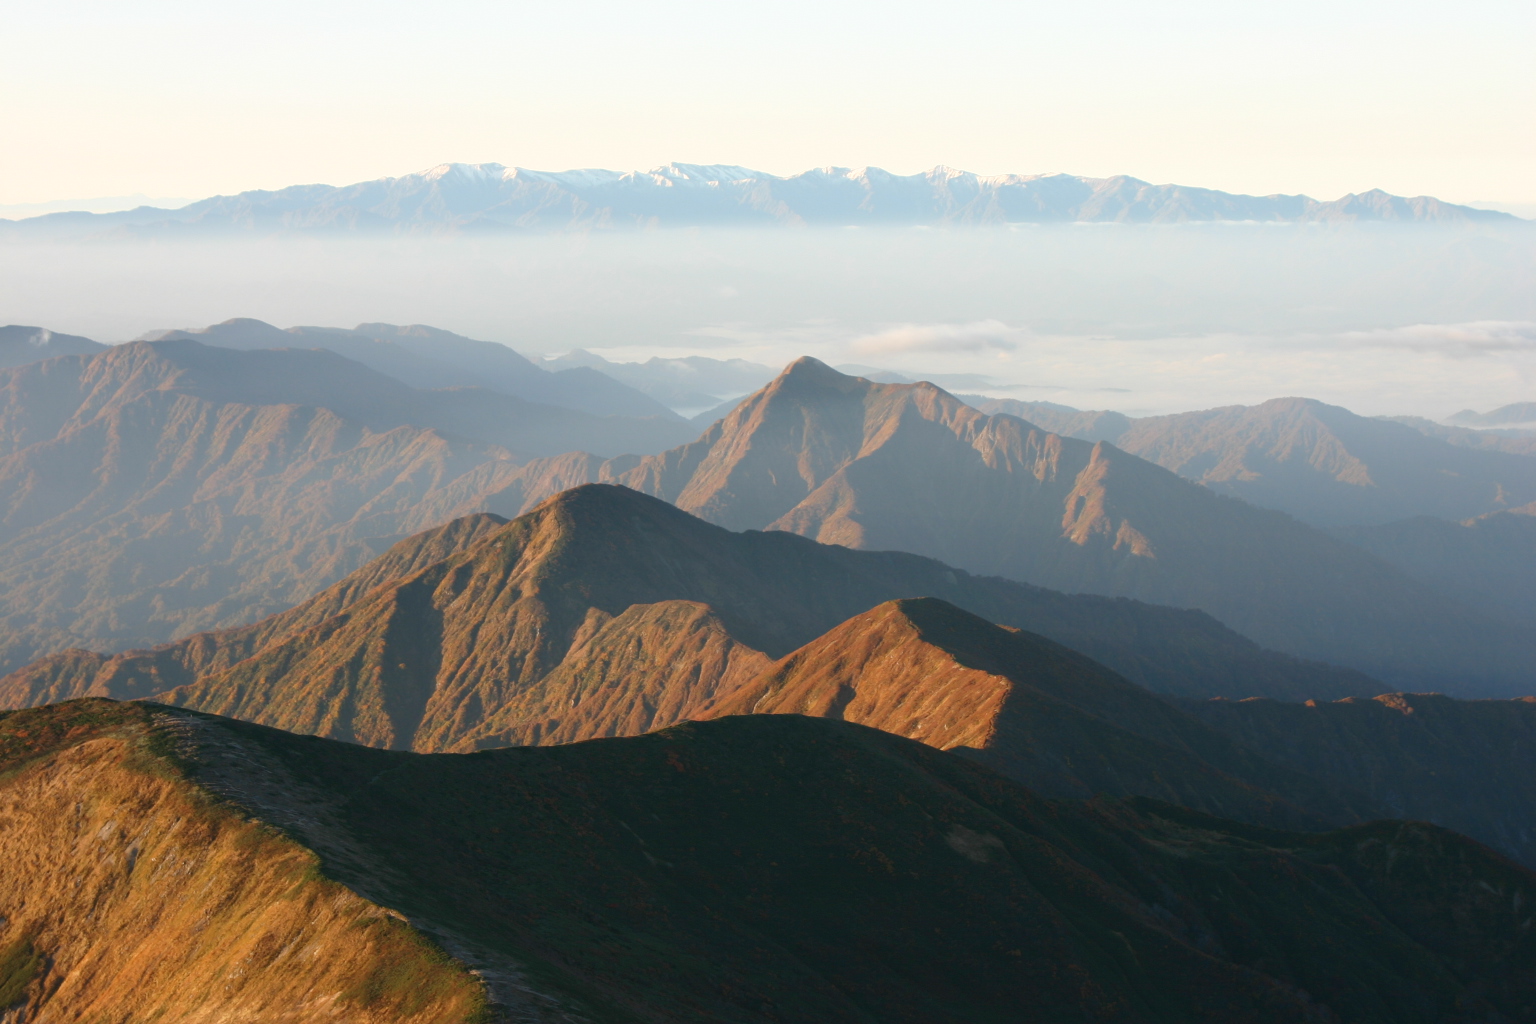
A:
132,893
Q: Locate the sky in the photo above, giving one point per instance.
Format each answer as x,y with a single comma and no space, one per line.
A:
169,98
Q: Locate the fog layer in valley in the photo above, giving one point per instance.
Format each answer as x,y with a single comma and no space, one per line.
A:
1385,319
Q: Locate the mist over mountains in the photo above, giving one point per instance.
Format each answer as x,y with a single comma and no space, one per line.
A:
167,486
876,701
489,198
156,488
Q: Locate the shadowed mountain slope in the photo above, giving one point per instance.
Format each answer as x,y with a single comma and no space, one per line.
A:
1487,563
424,659
766,868
1467,765
429,357
909,467
161,488
1037,712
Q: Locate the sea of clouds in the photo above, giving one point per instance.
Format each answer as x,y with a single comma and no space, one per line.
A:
1384,319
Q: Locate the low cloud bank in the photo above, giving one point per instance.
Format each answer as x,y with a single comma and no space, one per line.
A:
981,336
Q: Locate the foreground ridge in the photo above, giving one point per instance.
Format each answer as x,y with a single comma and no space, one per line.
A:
761,868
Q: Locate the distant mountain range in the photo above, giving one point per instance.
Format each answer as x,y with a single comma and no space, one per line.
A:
430,357
695,383
21,345
1518,414
156,488
479,198
1321,463
1453,507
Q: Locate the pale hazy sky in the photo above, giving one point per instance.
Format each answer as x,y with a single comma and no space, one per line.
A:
175,98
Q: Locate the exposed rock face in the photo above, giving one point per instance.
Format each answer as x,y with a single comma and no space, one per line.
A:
1041,714
757,869
1467,765
651,666
909,467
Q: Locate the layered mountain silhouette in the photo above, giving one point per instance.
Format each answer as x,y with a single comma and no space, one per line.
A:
1321,463
607,613
1037,712
429,357
154,489
1488,563
1458,521
1467,765
164,487
760,868
910,467
683,382
482,198
1514,415
1517,441
419,653
21,345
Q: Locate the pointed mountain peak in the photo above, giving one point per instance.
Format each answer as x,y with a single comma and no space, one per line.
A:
809,372
809,366
613,509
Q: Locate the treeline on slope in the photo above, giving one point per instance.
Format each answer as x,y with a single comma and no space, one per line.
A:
155,489
760,868
607,613
910,467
